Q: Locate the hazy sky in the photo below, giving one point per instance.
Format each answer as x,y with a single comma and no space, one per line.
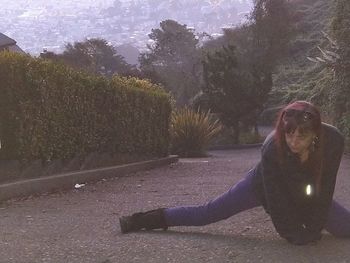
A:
42,3
50,24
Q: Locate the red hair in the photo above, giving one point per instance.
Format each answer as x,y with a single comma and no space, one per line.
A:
306,117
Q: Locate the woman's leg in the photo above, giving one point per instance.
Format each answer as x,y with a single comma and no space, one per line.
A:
338,220
238,198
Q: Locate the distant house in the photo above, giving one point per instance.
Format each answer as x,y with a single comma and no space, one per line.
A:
9,44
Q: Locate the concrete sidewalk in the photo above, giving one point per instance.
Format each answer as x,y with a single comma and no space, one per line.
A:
81,225
63,181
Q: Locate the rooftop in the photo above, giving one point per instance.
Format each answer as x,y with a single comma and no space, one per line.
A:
6,41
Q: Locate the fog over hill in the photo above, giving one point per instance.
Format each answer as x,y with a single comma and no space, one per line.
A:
50,24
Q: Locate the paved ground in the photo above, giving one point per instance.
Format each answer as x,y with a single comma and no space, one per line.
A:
82,225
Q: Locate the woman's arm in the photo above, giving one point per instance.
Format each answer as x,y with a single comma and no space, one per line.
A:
333,152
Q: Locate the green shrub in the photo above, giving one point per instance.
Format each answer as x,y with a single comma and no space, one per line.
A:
192,131
49,111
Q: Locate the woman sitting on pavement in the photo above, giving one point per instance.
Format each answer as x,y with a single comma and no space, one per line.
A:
294,182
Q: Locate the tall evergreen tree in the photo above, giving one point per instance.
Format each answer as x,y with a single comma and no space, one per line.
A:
272,30
174,59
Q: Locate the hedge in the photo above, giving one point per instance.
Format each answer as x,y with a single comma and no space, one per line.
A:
49,111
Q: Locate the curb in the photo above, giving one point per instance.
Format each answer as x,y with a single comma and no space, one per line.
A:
68,180
234,146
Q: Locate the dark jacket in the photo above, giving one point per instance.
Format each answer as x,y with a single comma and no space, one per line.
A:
297,216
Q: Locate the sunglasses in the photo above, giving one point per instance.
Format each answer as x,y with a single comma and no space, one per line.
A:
299,115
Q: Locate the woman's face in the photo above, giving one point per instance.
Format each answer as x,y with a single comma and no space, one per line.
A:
298,142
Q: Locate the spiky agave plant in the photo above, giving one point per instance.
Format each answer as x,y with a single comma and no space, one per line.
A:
192,131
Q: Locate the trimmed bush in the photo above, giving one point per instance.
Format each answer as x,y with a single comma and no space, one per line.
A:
192,131
49,111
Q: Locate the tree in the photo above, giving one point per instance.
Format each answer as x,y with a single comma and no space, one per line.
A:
174,59
268,36
93,55
97,56
235,91
238,79
271,25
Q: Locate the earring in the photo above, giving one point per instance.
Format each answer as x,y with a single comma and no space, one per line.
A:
313,144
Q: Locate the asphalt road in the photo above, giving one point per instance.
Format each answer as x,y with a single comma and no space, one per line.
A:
81,225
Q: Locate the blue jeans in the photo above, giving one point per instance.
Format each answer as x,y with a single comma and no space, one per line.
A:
241,197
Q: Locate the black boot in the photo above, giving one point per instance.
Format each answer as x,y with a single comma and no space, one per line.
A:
153,219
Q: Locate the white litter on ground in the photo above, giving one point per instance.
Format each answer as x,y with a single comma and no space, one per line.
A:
76,186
